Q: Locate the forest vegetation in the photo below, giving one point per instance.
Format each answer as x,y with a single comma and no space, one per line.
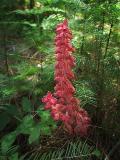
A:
27,69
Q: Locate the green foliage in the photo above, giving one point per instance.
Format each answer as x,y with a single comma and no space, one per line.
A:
28,126
8,112
27,106
39,12
47,123
51,22
8,141
12,110
71,150
12,154
27,69
85,94
4,120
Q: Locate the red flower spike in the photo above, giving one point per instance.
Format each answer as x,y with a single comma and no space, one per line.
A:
65,107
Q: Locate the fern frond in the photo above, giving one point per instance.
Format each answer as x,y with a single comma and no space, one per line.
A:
72,150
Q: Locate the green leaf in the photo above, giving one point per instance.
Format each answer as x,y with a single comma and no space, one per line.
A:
45,130
97,153
7,141
12,110
45,116
34,134
14,156
26,125
29,127
47,123
4,120
26,104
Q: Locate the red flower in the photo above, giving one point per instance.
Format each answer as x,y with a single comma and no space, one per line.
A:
49,100
65,107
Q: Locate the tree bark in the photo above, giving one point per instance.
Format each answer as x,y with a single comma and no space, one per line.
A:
32,4
5,51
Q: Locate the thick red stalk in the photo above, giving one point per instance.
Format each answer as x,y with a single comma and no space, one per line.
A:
63,105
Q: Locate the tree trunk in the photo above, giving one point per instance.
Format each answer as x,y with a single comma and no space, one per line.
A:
32,4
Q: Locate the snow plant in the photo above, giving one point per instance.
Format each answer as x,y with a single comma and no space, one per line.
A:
62,103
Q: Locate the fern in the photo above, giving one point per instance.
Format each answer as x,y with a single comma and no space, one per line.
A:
71,150
38,12
11,153
85,93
